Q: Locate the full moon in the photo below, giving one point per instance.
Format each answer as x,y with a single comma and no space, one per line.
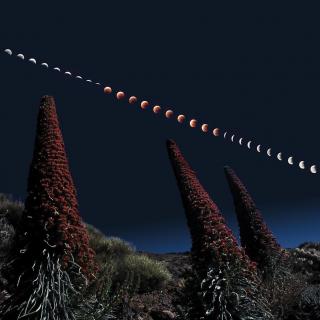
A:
204,127
120,95
193,123
216,132
144,104
107,90
169,114
181,118
133,99
156,109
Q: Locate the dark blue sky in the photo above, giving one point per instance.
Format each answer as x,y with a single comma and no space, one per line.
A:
251,70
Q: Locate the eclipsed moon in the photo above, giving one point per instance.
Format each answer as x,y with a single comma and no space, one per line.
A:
240,141
216,132
20,56
225,134
156,109
290,160
259,147
106,90
133,99
144,104
279,156
181,118
302,165
269,152
193,123
313,169
33,60
44,64
169,114
120,95
8,51
249,144
204,127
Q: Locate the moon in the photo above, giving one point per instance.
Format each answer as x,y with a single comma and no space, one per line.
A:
89,80
313,169
169,114
302,165
68,73
8,51
259,148
193,123
279,156
156,109
79,77
33,60
133,99
290,160
216,132
249,144
20,56
240,141
106,90
181,118
232,137
44,64
144,104
204,127
269,152
225,134
120,95
57,69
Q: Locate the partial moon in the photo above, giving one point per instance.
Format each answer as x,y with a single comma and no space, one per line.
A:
89,80
33,60
98,83
249,144
169,114
279,156
79,77
225,134
216,132
57,69
106,90
44,64
302,165
232,137
240,141
20,56
68,73
193,123
8,51
313,169
144,104
259,147
156,109
204,127
133,99
290,160
120,95
269,152
181,118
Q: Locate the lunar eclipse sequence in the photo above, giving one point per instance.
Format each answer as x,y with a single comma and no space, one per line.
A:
169,114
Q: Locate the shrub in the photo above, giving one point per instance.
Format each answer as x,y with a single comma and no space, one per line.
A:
11,209
6,237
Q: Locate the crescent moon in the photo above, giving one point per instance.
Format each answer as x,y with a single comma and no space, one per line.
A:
44,64
313,169
79,77
57,69
225,134
8,51
89,80
290,160
20,56
269,152
279,156
240,141
33,60
68,73
302,165
259,148
249,144
98,83
232,137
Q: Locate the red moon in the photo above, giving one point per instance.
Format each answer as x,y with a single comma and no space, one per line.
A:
107,90
144,104
132,99
156,109
216,132
181,118
204,127
169,114
193,123
120,95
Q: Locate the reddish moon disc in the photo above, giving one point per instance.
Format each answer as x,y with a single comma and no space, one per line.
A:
156,109
120,95
107,90
193,123
169,114
144,104
204,127
216,132
133,99
181,118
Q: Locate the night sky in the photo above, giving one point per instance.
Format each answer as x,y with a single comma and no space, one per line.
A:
250,70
